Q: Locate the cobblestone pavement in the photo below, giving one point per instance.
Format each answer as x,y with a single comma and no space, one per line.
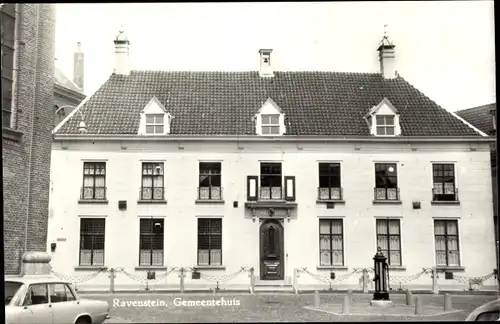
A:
253,308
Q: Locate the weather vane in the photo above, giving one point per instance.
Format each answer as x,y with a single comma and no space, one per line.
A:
385,30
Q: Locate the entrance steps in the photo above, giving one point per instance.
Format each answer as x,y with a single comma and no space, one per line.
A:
273,286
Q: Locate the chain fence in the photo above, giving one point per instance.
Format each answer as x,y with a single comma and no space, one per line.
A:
367,276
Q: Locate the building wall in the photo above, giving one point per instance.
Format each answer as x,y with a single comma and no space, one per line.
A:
241,234
26,150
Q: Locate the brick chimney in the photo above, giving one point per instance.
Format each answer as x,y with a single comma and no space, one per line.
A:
122,61
78,66
265,63
387,58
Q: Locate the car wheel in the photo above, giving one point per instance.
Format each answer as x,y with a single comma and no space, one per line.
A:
83,320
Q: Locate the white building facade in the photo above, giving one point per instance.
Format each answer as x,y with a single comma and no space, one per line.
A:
227,177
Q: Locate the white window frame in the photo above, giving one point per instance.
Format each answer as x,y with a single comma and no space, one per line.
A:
270,125
460,248
154,124
385,125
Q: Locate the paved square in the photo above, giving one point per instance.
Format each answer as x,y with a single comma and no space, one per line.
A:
255,308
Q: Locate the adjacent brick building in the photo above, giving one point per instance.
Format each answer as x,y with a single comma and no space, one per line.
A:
28,43
67,93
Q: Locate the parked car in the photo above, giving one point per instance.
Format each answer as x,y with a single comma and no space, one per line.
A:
487,312
37,299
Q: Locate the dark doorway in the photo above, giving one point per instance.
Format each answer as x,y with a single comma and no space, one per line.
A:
271,251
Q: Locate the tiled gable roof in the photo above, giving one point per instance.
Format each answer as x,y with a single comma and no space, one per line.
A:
480,117
224,103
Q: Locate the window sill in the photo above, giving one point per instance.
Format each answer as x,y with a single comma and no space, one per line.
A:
209,201
445,202
329,201
450,268
11,134
397,268
149,268
387,202
209,267
89,201
90,267
333,267
151,201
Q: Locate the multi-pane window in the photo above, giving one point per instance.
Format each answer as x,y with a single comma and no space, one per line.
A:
152,181
386,181
92,233
270,181
447,247
209,241
385,124
151,242
443,176
389,239
155,123
94,180
331,242
8,18
270,124
210,181
329,181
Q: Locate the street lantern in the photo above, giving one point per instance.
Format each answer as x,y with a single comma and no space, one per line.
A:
381,276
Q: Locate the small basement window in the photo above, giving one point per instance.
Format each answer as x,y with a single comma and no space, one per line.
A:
155,124
385,125
270,124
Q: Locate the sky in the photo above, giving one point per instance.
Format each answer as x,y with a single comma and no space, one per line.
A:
446,49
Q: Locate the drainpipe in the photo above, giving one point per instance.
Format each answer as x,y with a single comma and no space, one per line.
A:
15,65
35,75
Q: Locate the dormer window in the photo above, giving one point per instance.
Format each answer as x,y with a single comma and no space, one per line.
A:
385,125
383,119
155,120
270,120
155,124
270,124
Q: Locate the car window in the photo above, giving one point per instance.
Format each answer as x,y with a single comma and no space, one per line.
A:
488,316
11,287
37,295
57,293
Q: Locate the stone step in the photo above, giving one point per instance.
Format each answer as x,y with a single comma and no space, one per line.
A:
273,288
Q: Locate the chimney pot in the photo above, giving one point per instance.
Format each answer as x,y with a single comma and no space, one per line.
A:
122,61
265,63
78,66
387,58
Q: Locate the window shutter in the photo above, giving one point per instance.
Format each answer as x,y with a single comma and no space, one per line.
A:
290,188
252,187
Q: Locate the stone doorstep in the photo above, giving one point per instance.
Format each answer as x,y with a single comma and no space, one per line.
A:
405,311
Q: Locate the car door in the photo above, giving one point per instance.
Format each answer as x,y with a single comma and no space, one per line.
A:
64,306
36,308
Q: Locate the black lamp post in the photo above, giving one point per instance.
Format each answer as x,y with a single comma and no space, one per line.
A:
381,276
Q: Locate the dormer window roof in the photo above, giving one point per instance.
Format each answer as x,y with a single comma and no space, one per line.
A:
383,119
155,120
270,120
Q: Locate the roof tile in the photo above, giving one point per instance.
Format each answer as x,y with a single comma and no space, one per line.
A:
224,103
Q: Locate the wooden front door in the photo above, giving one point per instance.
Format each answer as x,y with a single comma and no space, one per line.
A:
271,251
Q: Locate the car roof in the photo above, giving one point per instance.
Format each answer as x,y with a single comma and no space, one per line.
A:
34,279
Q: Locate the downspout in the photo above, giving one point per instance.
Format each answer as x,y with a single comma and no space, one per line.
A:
15,64
35,88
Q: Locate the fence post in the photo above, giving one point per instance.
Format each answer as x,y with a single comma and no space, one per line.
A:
435,288
295,280
112,280
181,275
365,281
252,280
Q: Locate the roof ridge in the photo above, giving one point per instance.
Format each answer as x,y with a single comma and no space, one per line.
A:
255,71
